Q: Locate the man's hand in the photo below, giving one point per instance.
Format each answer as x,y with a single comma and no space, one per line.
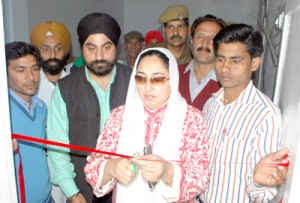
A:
269,172
77,198
14,145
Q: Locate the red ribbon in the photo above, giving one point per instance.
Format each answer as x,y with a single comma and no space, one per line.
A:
80,148
43,141
21,178
75,147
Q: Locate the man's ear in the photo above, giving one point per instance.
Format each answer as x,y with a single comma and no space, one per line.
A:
255,63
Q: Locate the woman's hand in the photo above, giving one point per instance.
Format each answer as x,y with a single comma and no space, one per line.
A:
122,169
154,167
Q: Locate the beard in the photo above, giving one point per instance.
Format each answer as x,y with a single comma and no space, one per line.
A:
101,70
54,69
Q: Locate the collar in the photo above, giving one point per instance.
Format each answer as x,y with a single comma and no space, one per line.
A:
24,104
211,75
247,96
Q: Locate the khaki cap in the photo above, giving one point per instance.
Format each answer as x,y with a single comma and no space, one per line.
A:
134,35
174,12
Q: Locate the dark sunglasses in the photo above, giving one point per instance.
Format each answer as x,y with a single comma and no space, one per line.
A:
155,81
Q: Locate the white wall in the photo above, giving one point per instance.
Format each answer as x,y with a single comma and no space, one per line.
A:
138,15
20,16
287,96
7,176
142,15
69,12
15,14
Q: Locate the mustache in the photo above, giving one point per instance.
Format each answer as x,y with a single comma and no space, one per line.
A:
99,61
176,36
53,69
204,49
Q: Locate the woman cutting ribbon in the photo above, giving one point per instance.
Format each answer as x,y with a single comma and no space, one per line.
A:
154,115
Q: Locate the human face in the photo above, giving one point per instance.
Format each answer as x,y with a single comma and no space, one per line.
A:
202,43
153,96
51,48
176,33
133,47
52,53
23,76
99,54
153,42
234,66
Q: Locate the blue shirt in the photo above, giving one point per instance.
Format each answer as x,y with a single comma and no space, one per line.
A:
31,122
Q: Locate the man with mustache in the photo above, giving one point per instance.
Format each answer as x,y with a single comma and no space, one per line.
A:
133,45
198,80
243,123
28,117
82,101
175,20
54,41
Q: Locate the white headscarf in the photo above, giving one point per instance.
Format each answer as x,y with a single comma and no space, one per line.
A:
132,136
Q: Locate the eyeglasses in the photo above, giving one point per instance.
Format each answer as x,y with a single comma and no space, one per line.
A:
155,81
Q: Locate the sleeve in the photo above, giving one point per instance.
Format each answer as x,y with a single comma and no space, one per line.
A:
107,141
194,173
266,142
58,130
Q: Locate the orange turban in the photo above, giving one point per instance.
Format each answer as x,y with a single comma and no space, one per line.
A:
58,30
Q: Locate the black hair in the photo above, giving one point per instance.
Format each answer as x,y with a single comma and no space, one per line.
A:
157,53
242,33
206,18
18,49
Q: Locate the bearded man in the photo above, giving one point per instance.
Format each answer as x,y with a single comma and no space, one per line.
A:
82,101
54,41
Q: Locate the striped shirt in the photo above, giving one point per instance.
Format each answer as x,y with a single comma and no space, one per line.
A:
240,133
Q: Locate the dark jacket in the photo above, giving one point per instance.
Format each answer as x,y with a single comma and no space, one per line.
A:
84,115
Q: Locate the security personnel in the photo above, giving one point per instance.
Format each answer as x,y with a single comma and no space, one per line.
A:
175,20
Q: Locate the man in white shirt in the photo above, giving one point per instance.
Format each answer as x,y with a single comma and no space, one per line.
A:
54,41
243,124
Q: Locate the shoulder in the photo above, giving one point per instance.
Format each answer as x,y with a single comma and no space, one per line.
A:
118,110
40,103
267,103
117,113
182,67
69,66
123,71
71,78
193,113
